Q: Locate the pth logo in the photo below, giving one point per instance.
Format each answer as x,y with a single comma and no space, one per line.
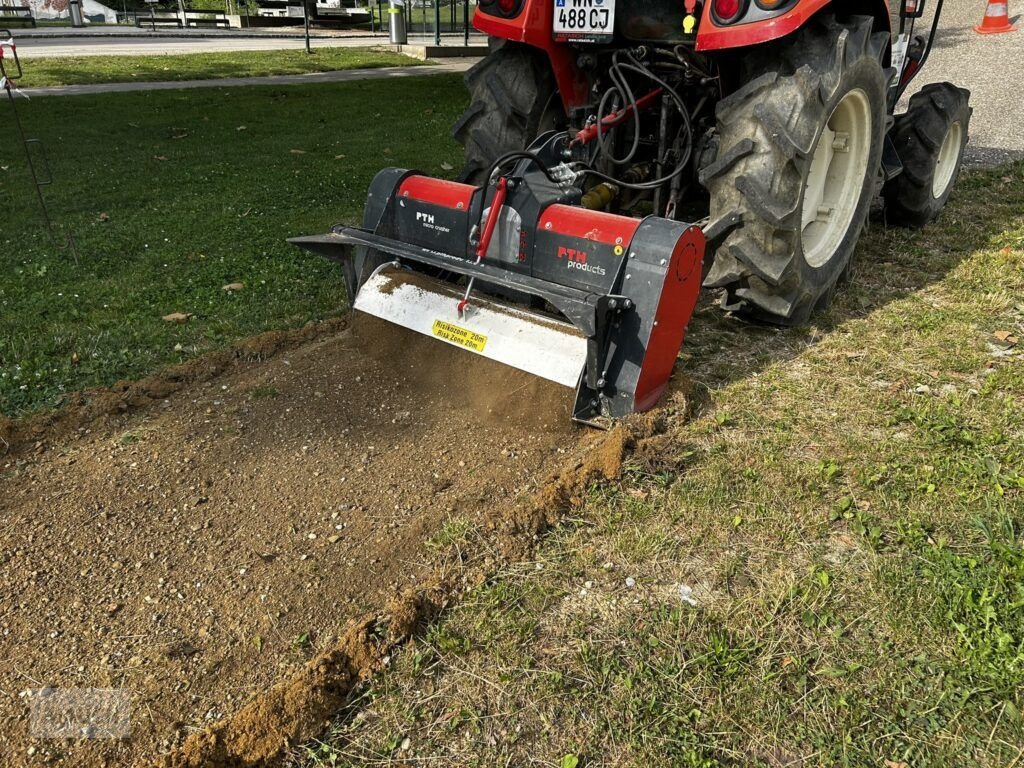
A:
427,218
572,255
577,260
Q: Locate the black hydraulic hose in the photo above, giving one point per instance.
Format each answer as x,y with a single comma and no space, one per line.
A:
505,160
621,86
927,49
635,66
520,155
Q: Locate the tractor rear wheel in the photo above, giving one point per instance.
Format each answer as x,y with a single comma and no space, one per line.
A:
799,154
930,139
513,100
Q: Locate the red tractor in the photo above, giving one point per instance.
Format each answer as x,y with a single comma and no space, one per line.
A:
769,121
620,154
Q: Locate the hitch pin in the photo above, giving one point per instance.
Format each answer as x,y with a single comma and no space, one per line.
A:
485,239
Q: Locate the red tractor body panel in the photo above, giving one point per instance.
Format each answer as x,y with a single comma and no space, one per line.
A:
712,37
533,26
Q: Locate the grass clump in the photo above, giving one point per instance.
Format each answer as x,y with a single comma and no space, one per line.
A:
42,72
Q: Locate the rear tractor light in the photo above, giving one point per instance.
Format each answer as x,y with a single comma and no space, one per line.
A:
505,8
728,11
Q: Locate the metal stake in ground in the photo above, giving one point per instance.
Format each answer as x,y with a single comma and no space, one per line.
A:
9,52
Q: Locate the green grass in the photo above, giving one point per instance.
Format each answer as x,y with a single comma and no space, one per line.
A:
86,70
173,194
848,511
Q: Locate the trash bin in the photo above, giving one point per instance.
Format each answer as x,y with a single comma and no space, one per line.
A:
399,35
75,12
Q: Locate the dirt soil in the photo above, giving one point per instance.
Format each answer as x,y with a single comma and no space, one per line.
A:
234,535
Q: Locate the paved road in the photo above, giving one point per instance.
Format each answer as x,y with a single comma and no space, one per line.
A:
125,43
384,73
991,66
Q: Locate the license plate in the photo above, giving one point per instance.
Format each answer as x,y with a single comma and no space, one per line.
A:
585,21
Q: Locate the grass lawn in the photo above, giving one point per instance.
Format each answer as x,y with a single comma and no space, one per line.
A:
174,194
824,567
83,70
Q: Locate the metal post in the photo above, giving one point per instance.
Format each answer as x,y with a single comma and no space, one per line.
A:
465,22
152,15
437,22
305,23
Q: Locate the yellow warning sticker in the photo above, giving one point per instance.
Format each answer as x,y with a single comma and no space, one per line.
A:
461,336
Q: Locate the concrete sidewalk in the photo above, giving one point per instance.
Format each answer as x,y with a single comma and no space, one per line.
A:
453,66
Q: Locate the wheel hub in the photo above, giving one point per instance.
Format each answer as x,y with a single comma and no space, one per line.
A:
945,163
836,178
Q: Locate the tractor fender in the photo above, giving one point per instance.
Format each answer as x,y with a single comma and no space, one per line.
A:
714,37
532,26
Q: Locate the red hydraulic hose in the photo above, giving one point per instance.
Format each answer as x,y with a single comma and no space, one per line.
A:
589,133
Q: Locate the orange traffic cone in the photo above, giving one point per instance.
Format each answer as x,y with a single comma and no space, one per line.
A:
997,19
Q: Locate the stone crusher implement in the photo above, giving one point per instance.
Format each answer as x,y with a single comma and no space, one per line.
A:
521,272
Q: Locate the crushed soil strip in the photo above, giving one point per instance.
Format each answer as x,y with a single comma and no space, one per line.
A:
203,535
299,708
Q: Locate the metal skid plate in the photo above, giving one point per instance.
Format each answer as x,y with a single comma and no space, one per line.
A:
539,345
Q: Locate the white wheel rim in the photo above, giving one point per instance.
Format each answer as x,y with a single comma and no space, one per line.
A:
945,164
836,179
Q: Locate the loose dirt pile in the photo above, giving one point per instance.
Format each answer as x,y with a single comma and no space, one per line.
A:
238,532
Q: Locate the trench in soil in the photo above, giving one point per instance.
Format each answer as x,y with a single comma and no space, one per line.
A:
209,545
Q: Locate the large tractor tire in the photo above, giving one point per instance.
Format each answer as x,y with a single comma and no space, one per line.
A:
513,99
799,154
930,138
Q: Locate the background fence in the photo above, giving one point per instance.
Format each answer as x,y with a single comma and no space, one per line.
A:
426,20
430,19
